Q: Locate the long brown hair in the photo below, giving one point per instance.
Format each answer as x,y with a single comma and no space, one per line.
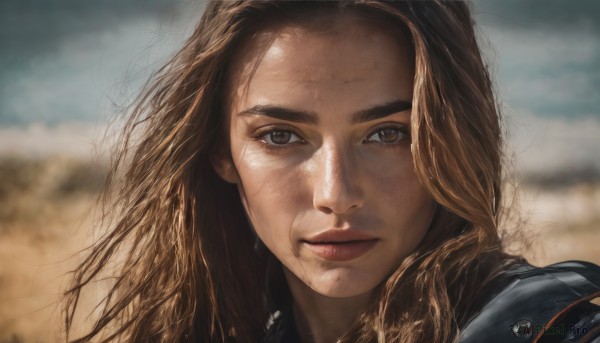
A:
189,270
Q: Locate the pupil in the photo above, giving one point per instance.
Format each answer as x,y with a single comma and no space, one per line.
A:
280,137
388,135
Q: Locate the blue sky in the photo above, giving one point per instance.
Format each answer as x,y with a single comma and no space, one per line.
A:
66,61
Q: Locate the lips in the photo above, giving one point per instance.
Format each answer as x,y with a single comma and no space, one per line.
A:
340,245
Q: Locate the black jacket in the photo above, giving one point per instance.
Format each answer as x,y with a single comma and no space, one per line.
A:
523,304
529,304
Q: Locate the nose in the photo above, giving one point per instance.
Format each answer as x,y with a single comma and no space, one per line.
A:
337,182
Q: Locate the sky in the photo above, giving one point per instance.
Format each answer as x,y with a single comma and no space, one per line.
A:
68,64
545,57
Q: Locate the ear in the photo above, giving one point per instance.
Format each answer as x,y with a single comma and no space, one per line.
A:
223,165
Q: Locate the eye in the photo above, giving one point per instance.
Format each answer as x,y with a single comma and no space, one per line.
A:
387,135
280,137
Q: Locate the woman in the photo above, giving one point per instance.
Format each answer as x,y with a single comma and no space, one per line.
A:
318,172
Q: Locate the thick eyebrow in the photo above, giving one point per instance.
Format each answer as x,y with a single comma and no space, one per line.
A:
362,116
380,111
282,113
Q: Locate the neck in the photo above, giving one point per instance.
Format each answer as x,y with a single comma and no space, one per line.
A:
322,319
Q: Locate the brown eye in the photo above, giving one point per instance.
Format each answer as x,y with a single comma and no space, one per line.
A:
280,137
388,135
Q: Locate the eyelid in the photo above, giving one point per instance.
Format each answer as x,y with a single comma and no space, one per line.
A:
404,129
264,131
397,126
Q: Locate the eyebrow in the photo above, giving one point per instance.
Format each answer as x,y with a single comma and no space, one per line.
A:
380,111
282,113
362,116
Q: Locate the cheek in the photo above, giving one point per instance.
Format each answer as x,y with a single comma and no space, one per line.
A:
399,194
403,185
265,177
391,173
272,193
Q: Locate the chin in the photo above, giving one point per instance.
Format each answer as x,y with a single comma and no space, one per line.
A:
343,284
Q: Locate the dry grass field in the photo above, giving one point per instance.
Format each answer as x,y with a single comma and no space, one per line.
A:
45,219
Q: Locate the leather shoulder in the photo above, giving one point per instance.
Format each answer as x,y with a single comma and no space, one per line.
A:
530,304
281,328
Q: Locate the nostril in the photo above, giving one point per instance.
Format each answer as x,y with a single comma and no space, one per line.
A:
324,209
339,208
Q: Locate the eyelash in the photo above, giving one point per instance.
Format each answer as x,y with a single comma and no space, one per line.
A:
402,130
260,136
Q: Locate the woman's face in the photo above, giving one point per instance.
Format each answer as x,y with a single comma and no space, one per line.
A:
320,151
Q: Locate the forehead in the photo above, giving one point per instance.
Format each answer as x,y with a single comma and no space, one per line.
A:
349,52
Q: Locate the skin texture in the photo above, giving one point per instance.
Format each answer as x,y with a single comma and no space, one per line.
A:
300,179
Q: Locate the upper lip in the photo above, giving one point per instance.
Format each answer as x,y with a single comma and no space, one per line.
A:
340,236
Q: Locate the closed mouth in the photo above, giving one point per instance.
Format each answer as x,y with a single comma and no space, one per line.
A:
339,236
341,250
341,242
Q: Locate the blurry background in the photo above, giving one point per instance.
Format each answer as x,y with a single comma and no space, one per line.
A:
68,66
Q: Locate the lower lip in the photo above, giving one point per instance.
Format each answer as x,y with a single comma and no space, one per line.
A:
341,251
